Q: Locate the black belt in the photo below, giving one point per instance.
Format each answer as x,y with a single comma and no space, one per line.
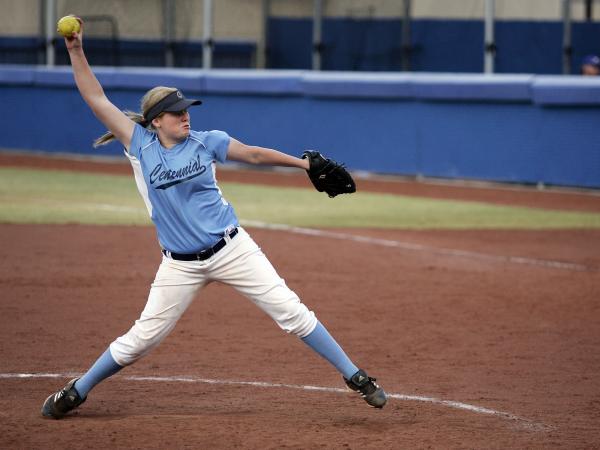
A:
204,254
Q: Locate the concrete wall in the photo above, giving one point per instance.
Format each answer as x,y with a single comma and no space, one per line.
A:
140,19
20,18
434,9
241,19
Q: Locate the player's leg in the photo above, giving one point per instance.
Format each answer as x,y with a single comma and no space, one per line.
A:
175,286
245,267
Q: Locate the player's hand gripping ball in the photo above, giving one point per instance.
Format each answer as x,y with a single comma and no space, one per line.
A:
68,25
328,176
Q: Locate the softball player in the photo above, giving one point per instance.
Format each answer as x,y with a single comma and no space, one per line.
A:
201,240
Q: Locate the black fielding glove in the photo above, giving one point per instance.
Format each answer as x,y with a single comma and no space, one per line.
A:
327,175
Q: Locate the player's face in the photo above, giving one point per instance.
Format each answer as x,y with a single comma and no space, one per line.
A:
590,70
175,125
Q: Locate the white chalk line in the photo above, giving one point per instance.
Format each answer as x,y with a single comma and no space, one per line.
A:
419,247
111,207
378,241
523,422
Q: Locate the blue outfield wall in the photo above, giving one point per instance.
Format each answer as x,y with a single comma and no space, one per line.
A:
512,128
436,45
348,44
130,52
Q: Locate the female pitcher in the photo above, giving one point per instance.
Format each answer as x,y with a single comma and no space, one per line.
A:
197,229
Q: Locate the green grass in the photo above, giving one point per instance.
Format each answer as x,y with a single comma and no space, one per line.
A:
46,196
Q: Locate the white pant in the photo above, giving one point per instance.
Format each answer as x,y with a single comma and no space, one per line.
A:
240,264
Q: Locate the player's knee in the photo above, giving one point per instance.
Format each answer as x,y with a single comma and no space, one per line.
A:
285,307
140,340
299,321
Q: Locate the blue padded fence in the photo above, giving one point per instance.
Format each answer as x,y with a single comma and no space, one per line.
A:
354,44
436,45
129,52
513,128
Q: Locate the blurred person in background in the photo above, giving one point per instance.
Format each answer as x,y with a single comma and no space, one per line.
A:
590,65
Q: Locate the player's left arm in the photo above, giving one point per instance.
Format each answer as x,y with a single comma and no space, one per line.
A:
251,154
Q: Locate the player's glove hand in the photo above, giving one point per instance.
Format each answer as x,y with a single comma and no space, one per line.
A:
327,175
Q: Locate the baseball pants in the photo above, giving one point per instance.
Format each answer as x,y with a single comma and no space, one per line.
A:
240,264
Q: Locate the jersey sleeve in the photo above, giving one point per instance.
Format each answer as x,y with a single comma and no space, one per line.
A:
218,142
139,139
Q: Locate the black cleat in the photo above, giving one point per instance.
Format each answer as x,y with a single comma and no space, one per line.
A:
63,401
367,388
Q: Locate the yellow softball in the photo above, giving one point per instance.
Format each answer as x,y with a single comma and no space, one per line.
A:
68,25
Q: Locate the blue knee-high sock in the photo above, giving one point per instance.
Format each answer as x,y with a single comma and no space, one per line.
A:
321,342
104,367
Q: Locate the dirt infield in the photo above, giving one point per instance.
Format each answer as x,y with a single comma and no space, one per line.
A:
478,350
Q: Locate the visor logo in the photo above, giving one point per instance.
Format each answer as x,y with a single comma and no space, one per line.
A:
179,94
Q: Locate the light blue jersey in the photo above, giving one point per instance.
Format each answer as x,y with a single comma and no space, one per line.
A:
179,188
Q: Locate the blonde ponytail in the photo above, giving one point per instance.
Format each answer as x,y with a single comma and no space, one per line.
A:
151,98
109,137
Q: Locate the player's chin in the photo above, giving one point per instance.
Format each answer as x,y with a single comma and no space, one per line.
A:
185,131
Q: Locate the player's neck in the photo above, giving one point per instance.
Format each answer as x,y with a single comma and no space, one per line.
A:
168,142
